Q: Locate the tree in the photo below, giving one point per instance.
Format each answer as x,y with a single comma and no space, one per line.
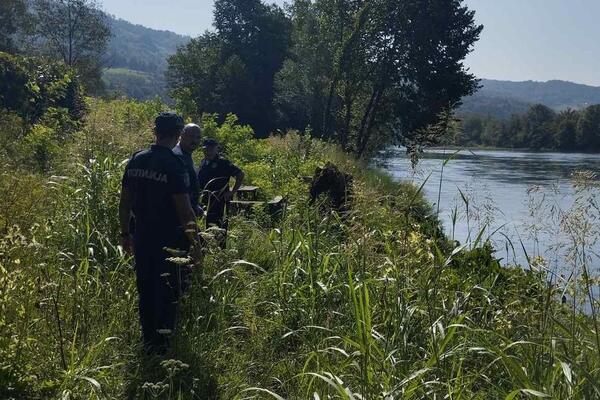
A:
29,87
386,69
232,70
565,129
75,31
14,19
538,124
588,129
472,128
302,82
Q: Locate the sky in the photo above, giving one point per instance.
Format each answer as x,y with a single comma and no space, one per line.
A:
522,39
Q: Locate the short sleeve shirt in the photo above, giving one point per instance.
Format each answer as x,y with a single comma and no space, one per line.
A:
214,175
192,173
152,177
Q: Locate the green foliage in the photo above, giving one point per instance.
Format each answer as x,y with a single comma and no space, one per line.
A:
232,70
31,86
369,73
41,107
137,59
588,129
17,90
14,20
372,303
141,49
41,146
135,84
75,32
362,74
538,129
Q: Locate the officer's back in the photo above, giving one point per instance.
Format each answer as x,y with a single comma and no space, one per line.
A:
155,189
153,176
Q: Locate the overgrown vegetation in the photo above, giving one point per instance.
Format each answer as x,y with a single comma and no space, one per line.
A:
375,303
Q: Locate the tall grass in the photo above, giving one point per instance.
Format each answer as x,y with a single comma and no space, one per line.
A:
374,303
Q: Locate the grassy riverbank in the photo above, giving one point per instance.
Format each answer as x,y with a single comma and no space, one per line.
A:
374,304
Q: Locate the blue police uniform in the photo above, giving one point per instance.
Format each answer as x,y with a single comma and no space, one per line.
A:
152,177
213,180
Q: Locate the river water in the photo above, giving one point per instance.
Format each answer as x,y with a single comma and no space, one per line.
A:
528,204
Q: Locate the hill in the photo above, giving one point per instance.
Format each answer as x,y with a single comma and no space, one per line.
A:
554,94
137,58
497,106
504,98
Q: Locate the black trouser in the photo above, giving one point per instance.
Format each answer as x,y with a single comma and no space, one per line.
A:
160,284
215,216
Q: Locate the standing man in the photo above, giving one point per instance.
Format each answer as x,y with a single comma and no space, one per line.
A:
155,190
190,141
213,178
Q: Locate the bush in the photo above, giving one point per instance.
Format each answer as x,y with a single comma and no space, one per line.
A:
30,86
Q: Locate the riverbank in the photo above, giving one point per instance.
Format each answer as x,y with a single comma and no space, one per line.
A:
492,148
376,303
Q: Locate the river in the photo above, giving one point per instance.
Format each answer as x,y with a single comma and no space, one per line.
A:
527,203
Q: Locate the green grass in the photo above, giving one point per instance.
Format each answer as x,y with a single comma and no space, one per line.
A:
372,304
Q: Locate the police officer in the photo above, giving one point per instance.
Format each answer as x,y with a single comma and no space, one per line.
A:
190,140
155,190
213,178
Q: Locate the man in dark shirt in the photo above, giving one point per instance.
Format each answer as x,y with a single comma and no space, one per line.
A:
190,141
155,190
213,179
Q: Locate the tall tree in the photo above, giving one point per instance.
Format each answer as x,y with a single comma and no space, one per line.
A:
232,70
565,129
394,68
14,19
75,31
588,129
538,125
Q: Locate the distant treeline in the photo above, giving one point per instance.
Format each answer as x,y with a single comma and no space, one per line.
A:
540,128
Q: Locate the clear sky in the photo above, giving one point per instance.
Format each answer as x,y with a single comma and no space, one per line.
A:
522,39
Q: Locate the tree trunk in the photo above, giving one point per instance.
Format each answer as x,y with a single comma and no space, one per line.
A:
364,121
369,125
325,132
349,101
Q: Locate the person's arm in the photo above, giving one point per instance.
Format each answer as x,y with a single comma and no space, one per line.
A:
124,220
187,218
238,174
239,180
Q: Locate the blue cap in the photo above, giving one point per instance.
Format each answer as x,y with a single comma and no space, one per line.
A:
209,142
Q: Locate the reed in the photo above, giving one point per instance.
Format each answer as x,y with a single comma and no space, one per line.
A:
374,303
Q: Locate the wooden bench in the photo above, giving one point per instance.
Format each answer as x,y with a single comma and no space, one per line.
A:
274,206
247,193
236,206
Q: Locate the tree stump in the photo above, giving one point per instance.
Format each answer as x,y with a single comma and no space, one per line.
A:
334,185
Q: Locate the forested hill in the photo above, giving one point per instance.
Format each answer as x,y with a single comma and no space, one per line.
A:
137,58
555,94
502,99
139,48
